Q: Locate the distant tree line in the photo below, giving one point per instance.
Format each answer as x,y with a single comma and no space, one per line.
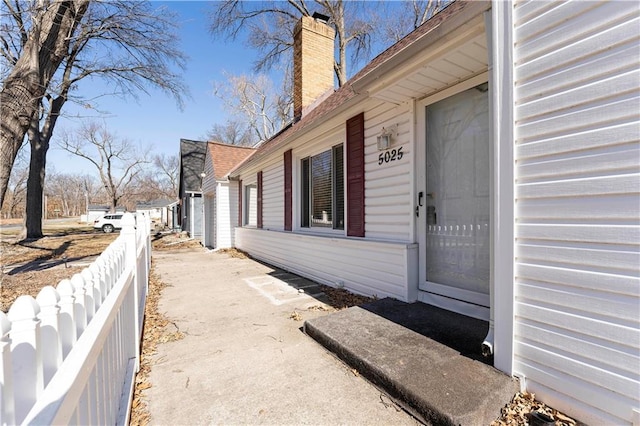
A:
124,175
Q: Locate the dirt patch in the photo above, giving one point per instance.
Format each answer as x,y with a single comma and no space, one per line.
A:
164,241
28,266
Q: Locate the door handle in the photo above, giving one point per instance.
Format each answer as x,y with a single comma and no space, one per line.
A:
420,195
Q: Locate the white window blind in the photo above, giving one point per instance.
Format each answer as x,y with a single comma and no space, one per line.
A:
323,189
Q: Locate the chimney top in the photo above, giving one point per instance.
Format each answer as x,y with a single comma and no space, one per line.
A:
313,60
320,17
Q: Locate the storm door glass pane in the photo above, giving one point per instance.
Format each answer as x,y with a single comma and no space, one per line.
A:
458,187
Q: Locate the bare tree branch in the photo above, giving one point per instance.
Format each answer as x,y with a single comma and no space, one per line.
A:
117,161
270,25
255,100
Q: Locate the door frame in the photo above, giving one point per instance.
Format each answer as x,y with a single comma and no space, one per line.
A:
500,74
436,297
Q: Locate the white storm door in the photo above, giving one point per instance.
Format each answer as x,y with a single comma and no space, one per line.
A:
457,199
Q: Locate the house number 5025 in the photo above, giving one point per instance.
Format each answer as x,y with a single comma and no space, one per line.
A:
389,156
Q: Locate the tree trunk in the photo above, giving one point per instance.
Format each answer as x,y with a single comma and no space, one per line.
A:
18,104
29,79
35,185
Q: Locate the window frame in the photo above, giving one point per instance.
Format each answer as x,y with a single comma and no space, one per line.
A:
305,192
246,205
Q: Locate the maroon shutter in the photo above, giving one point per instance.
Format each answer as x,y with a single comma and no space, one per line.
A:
259,205
240,203
288,213
355,176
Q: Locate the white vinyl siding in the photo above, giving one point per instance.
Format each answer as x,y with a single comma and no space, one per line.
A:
209,221
388,186
273,196
226,213
370,268
577,304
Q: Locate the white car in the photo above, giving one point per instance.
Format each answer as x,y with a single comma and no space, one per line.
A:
109,222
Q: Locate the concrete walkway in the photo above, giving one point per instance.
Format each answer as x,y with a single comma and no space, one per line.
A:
244,358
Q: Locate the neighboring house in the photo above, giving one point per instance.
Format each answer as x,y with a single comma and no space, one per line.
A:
221,194
159,211
192,155
487,163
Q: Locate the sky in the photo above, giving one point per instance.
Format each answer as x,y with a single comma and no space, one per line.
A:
156,120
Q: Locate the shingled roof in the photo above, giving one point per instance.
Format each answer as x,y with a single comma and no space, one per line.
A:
346,95
225,157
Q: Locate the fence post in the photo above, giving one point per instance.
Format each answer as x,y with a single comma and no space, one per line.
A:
48,299
67,316
7,410
131,261
89,285
79,291
26,351
101,272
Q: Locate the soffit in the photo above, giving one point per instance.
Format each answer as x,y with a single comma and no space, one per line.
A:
449,61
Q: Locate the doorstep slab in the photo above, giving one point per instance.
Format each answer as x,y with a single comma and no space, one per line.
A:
436,378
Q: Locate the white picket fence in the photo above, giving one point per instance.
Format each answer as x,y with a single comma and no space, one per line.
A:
70,355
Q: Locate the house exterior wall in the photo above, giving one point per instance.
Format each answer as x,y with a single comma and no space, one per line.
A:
273,196
209,236
226,213
384,262
565,257
365,267
389,185
195,216
577,303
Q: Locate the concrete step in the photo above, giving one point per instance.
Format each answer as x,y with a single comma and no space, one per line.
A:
426,358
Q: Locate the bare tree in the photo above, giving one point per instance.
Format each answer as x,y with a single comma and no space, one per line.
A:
72,191
117,161
232,132
407,17
166,174
270,27
130,44
263,110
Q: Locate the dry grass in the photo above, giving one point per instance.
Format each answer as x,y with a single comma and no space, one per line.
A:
28,266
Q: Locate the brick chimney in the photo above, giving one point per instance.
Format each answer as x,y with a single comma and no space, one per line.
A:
312,62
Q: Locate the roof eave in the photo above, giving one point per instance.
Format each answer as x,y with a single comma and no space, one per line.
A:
470,10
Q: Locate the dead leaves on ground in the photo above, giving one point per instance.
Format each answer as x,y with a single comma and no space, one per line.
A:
522,406
340,298
156,330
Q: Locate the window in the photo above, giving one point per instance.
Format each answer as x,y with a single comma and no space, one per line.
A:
251,205
323,190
